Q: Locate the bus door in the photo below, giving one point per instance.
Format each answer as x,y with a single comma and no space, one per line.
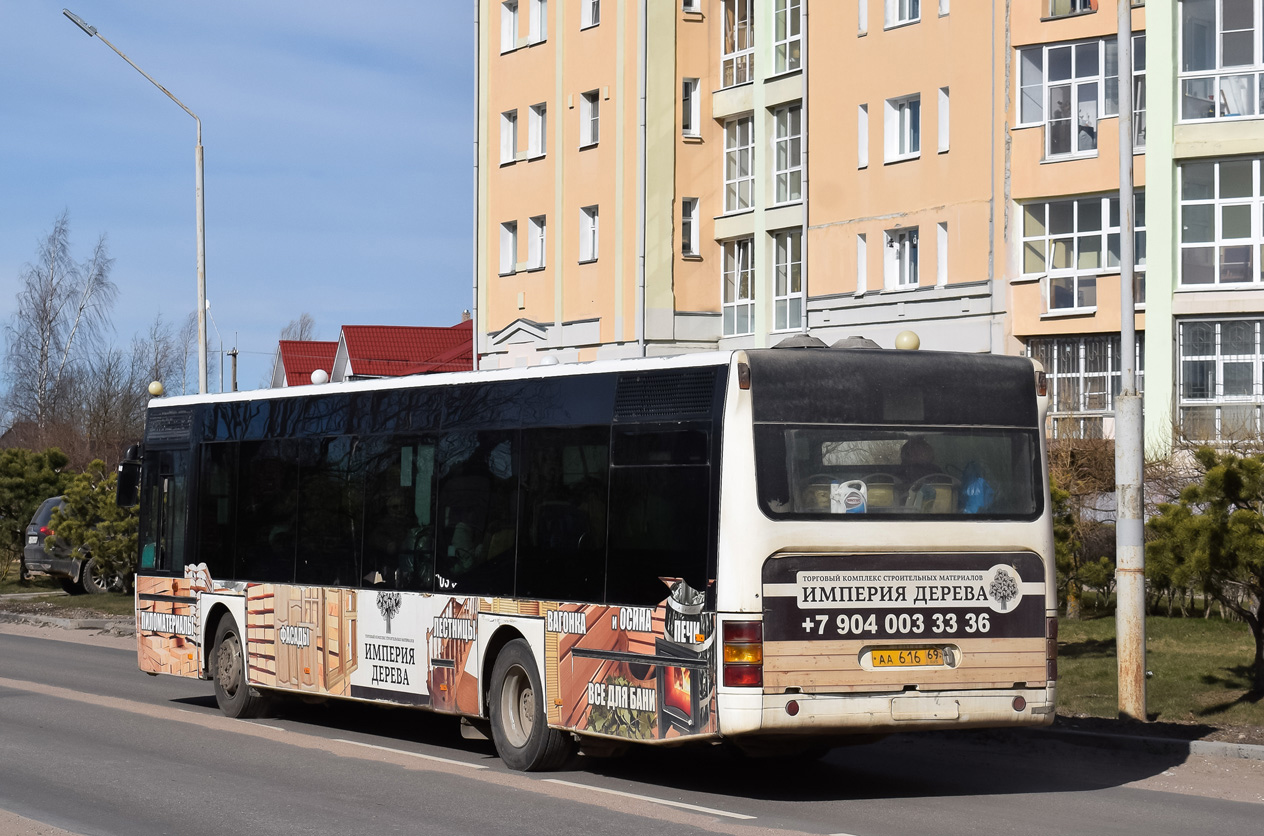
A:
164,501
166,603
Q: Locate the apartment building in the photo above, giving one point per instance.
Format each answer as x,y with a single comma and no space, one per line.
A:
640,183
694,174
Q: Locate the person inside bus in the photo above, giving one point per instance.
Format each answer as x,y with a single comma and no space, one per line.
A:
391,546
917,460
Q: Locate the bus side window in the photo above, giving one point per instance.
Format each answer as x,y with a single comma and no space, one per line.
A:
266,509
660,507
562,543
217,488
398,524
328,505
477,512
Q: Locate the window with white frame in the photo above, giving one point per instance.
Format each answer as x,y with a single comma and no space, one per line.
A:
1066,87
690,108
1071,242
788,153
508,247
508,25
900,262
943,7
539,24
1084,374
1220,59
538,129
738,58
508,136
738,304
903,128
941,253
1062,8
1220,222
588,236
589,118
1219,382
691,5
689,226
943,119
589,13
536,227
739,158
862,264
787,38
1111,90
862,17
862,136
900,12
788,280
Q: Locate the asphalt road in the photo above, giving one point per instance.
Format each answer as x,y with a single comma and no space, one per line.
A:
92,746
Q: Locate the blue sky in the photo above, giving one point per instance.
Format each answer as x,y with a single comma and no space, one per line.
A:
338,142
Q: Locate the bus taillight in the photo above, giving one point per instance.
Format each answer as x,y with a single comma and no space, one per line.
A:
743,653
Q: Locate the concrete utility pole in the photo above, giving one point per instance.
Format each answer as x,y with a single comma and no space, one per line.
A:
1129,428
92,32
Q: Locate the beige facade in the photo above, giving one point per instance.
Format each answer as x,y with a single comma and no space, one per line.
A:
771,167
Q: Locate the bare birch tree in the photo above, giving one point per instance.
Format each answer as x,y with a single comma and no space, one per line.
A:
63,309
303,328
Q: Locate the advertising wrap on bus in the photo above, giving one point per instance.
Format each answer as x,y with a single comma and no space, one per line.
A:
979,620
640,673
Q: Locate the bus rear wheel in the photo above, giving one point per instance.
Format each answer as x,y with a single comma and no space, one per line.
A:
228,668
520,727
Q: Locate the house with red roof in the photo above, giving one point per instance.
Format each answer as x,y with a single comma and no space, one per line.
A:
297,359
369,351
364,352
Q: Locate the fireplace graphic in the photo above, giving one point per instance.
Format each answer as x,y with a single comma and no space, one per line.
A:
684,691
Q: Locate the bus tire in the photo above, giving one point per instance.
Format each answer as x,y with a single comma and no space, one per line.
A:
520,728
233,693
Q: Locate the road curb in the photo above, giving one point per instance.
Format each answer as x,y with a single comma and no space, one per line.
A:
116,626
1158,745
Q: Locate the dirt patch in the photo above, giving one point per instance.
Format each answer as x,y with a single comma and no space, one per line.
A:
1166,731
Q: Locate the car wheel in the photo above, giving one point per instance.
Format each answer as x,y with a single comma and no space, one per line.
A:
91,579
520,727
233,693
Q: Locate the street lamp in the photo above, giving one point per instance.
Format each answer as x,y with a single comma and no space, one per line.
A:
91,31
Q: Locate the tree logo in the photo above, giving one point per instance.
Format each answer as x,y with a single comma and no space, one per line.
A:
1002,587
388,604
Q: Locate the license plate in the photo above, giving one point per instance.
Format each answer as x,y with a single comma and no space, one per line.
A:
32,539
908,657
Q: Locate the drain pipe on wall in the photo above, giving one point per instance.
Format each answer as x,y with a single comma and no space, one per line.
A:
642,78
478,57
806,54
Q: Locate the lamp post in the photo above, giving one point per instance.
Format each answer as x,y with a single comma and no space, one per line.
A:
201,226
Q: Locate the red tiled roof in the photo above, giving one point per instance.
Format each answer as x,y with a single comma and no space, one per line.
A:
394,350
302,357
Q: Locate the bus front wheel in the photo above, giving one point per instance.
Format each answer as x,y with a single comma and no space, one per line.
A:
520,727
228,668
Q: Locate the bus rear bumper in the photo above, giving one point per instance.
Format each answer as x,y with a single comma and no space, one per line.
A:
787,714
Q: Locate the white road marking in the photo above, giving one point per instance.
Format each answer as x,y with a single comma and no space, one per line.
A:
651,799
411,754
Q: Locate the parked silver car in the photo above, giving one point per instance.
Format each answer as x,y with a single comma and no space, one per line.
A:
76,573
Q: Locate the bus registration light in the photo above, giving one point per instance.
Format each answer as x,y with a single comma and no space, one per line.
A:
744,653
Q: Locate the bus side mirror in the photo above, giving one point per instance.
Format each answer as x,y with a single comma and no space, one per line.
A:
127,492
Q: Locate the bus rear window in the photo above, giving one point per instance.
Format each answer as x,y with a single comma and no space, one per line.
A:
849,472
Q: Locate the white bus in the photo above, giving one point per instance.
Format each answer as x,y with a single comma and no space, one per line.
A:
781,547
